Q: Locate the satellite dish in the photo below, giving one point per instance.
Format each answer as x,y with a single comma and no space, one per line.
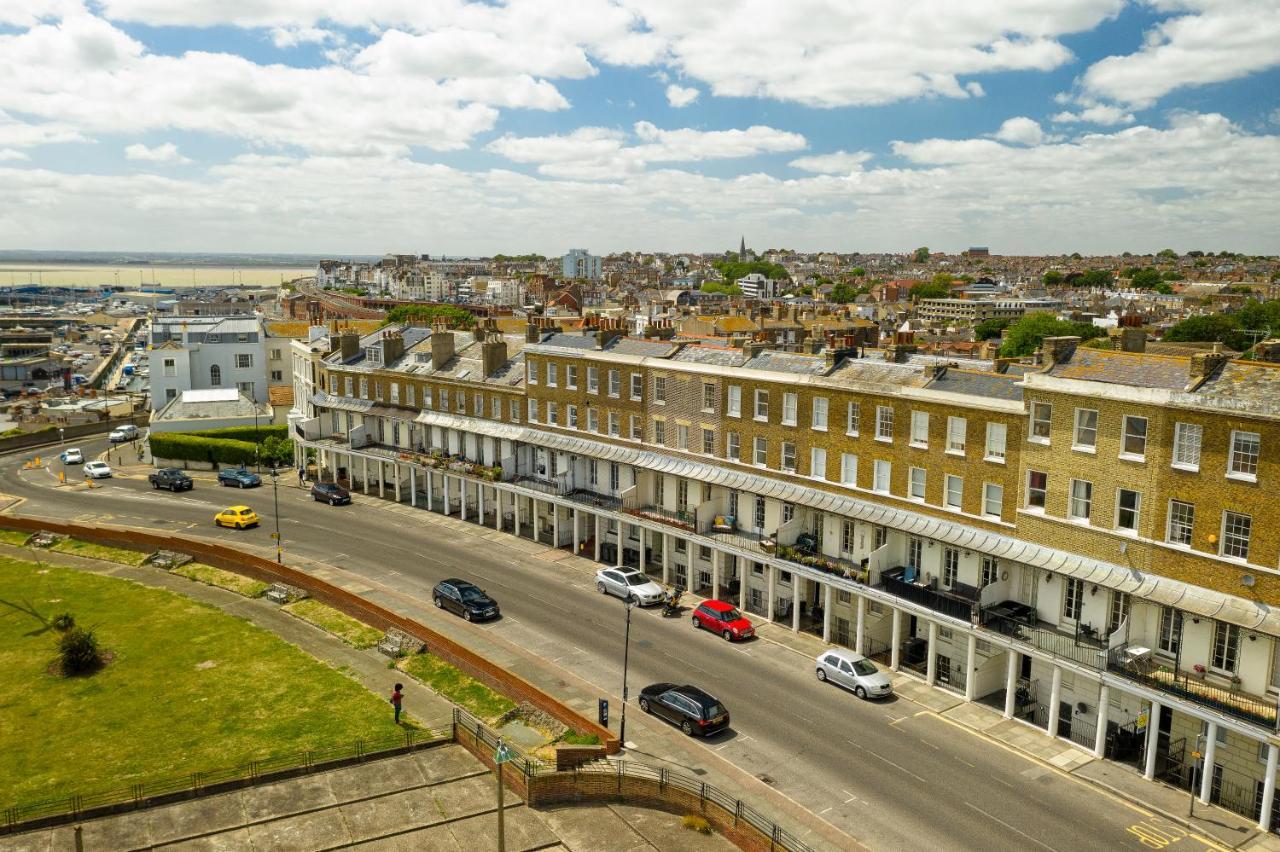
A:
1248,581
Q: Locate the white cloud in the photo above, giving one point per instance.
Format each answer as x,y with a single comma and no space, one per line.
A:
598,153
13,154
1021,131
286,37
22,134
163,153
681,96
1104,114
1216,40
839,163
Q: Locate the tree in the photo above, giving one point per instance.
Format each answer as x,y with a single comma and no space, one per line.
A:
930,290
1075,255
857,272
1208,328
1164,289
1145,279
1167,254
1095,278
843,293
453,315
921,254
946,279
1025,336
990,329
1053,278
721,287
1172,275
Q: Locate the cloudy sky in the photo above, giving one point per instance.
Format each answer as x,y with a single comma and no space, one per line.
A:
446,126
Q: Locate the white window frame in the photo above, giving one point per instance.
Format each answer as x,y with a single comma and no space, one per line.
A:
1125,435
1120,510
882,477
571,415
761,409
957,435
997,443
917,483
571,376
733,405
849,469
660,432
1040,428
615,425
553,412
637,387
919,430
1237,457
992,496
682,436
790,407
818,415
615,384
593,420
1082,430
787,462
531,372
533,411
1075,502
1231,530
732,446
884,423
553,374
1044,492
853,416
593,379
1181,516
760,452
817,463
1188,441
953,495
710,391
950,567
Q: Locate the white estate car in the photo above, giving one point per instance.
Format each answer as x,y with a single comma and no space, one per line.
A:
628,581
97,470
72,455
853,671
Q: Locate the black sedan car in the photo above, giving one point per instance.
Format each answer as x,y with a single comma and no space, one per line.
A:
464,599
239,477
331,493
696,712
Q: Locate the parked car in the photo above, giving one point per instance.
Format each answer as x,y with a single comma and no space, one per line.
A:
331,493
127,432
72,455
465,599
695,711
723,618
629,581
173,478
853,671
237,517
97,470
239,477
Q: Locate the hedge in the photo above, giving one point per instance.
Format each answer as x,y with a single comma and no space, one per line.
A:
190,447
243,433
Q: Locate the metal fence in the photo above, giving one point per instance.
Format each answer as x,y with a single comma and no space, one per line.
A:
20,816
738,810
1240,705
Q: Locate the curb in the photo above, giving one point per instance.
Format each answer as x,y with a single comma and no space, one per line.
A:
1175,818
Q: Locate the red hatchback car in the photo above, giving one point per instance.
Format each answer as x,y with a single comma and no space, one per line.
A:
723,618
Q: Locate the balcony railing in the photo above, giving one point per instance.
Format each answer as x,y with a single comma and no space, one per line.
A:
681,520
1080,646
830,564
1240,705
947,603
594,499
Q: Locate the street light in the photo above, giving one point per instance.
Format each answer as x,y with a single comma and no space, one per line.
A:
257,458
626,654
275,497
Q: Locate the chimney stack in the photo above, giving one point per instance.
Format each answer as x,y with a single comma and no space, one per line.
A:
1205,364
1055,350
349,343
441,346
1128,339
532,333
392,343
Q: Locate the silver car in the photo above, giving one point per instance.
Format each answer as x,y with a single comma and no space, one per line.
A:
853,671
629,581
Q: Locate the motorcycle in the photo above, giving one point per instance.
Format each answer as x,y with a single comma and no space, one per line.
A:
671,605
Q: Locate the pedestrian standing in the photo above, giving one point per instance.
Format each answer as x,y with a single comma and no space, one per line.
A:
302,477
396,697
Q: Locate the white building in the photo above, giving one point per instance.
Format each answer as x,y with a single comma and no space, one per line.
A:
756,286
196,353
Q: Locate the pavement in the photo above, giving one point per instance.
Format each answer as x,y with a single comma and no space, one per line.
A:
922,769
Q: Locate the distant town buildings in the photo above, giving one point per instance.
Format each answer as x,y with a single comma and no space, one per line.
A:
578,263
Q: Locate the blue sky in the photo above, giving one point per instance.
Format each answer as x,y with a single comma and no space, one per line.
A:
533,125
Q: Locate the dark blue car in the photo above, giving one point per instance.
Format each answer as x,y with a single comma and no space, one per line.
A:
239,477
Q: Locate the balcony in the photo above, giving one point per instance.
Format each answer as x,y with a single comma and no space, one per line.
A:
905,583
800,554
1136,664
1082,645
682,520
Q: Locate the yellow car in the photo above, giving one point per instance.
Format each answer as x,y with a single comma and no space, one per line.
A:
239,517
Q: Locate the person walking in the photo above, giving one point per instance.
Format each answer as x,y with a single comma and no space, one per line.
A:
396,697
302,477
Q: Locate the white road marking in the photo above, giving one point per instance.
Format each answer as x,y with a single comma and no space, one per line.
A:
1015,830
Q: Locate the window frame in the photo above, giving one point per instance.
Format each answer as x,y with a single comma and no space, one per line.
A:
1125,436
958,491
884,424
818,463
885,466
760,401
1183,440
954,447
733,401
1074,501
994,429
1225,533
1043,491
1121,510
1243,475
1187,523
819,409
986,500
760,451
1038,423
919,437
922,481
852,419
1078,427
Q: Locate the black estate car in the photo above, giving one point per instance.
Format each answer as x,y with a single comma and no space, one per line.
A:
695,711
173,478
331,493
464,599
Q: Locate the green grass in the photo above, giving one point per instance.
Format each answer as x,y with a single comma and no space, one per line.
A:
228,580
462,689
190,688
355,633
14,537
575,738
106,553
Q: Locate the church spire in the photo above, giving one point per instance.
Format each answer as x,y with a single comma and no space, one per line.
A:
742,250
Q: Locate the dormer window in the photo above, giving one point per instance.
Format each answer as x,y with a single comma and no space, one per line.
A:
373,354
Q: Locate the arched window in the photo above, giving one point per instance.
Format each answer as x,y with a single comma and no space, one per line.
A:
215,376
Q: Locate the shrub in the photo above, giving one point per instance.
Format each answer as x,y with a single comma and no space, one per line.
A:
693,822
79,652
180,446
244,433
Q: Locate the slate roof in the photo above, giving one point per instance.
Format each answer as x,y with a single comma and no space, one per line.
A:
1125,368
1243,386
717,356
788,362
990,385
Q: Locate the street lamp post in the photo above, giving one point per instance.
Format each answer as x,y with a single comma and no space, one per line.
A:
257,446
275,497
626,653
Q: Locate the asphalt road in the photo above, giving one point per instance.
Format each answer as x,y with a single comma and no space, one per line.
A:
891,774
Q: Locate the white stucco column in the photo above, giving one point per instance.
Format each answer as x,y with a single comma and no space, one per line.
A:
828,599
771,573
555,525
480,503
382,485
1153,740
430,488
715,573
1055,698
895,652
577,530
1269,787
515,507
1210,754
1100,735
364,463
1011,684
668,544
796,582
644,535
740,569
622,532
970,667
462,497
598,533
413,486
860,624
396,466
931,664
497,508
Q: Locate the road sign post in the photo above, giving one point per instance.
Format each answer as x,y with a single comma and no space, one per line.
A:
501,756
604,712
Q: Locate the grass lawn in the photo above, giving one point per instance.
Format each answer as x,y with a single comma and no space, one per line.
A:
190,688
14,537
462,689
100,551
354,633
228,580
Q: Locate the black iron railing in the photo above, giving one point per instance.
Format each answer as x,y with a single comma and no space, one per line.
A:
1194,688
891,581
